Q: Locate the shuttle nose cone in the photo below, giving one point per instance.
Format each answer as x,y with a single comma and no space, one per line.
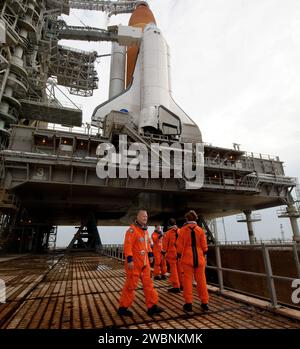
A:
141,16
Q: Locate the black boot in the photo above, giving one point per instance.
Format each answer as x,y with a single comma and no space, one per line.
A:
188,307
154,310
157,277
174,290
164,277
124,312
204,306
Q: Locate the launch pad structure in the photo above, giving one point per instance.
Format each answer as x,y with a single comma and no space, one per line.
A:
48,159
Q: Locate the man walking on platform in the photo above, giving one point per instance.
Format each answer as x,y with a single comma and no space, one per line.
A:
160,265
138,251
170,251
191,249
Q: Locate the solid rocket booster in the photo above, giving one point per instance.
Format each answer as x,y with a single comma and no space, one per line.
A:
147,97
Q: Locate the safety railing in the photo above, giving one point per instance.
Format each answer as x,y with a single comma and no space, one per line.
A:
114,251
86,129
9,19
61,24
51,102
117,252
16,76
254,217
108,6
283,212
78,51
257,242
276,179
18,6
250,155
262,156
268,275
223,163
246,182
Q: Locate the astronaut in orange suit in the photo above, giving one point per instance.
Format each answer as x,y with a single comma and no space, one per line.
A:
137,252
160,265
191,249
170,251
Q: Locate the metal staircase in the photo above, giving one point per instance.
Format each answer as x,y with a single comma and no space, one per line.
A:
294,210
209,235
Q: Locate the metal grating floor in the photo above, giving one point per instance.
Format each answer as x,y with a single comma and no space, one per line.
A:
82,291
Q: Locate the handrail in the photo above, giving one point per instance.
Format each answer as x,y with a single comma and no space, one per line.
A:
86,129
246,243
261,156
51,102
275,178
117,252
77,50
239,164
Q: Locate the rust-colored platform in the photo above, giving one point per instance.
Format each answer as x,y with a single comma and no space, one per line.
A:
82,291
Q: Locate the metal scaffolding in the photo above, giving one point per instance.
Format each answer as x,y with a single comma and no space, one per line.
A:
74,69
110,7
67,32
30,55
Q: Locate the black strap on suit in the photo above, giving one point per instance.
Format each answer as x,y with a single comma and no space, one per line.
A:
194,248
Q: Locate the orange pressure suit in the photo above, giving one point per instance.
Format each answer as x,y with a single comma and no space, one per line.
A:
137,249
169,247
160,265
191,247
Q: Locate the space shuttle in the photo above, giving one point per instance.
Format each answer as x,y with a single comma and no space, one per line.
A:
140,82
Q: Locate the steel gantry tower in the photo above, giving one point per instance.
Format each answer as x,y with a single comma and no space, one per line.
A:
30,54
32,64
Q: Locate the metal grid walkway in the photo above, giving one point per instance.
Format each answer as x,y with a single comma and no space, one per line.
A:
82,291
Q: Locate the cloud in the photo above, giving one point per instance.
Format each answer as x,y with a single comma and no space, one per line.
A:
235,71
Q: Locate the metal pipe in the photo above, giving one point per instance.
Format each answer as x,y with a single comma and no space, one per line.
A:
251,273
250,227
215,227
293,215
269,275
219,265
296,258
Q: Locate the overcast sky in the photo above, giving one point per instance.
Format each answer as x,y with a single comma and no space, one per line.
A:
235,71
